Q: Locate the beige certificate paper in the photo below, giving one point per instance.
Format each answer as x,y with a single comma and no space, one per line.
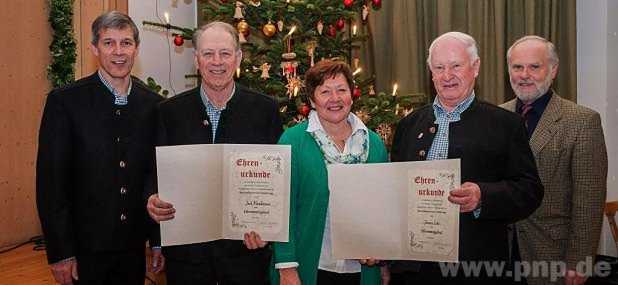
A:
221,191
395,211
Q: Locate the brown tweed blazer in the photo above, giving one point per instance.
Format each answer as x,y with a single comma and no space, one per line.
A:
569,149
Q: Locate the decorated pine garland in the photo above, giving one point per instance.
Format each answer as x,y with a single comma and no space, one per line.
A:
62,48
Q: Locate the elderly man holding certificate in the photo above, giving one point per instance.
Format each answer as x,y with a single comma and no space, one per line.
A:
332,135
501,183
219,111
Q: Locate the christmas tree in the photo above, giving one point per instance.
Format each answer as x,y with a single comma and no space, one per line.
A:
281,39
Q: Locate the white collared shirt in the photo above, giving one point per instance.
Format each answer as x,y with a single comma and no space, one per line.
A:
327,261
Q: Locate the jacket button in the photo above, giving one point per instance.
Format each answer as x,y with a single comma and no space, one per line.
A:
123,190
421,152
122,164
420,136
432,130
118,112
123,217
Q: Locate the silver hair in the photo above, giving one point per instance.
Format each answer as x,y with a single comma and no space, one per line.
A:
551,48
471,46
221,25
113,20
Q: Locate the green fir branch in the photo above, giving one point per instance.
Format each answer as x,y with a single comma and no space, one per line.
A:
62,48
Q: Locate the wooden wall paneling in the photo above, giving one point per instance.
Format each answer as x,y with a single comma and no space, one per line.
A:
23,77
77,35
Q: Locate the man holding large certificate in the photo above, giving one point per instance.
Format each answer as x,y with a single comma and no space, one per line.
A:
500,180
219,112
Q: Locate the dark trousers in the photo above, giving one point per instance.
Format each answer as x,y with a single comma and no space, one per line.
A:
222,262
332,278
122,268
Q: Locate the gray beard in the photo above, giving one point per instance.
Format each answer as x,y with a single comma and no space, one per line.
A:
531,97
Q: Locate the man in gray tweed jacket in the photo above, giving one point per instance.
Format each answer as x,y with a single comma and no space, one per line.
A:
569,148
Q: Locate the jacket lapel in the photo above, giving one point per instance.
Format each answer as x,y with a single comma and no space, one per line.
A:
547,126
197,116
510,105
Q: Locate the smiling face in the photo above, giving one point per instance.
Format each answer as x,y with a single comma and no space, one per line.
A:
217,59
116,51
530,70
453,73
333,100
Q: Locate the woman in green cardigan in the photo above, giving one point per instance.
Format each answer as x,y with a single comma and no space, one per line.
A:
332,134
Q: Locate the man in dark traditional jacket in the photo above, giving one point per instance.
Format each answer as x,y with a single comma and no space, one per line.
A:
95,148
501,183
218,111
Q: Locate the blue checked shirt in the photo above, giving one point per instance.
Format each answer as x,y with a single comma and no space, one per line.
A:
118,98
213,113
439,147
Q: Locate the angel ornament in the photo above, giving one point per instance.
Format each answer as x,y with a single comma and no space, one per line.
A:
320,27
365,12
311,45
265,67
238,11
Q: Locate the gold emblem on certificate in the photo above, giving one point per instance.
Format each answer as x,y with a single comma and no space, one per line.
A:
430,214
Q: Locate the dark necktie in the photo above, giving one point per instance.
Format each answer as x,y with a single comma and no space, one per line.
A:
525,112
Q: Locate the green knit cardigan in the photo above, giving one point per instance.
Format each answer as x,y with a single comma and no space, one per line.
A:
308,204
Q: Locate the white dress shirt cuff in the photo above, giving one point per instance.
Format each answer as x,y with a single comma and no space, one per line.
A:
282,265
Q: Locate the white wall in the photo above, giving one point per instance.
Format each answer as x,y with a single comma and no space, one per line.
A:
597,84
157,47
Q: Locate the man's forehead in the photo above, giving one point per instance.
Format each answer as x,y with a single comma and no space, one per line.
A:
530,52
216,36
112,33
215,48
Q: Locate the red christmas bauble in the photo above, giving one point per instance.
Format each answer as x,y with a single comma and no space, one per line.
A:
376,4
178,40
289,69
340,24
348,3
332,31
304,110
357,93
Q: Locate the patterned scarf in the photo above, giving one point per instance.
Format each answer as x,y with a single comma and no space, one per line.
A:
357,149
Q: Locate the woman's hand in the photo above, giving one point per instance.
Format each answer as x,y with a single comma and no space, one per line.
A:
288,276
369,261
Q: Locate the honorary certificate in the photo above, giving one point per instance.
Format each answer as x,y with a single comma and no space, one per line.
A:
255,184
395,210
221,191
429,211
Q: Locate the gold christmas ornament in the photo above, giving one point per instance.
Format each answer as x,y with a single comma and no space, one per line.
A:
243,28
269,29
255,3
